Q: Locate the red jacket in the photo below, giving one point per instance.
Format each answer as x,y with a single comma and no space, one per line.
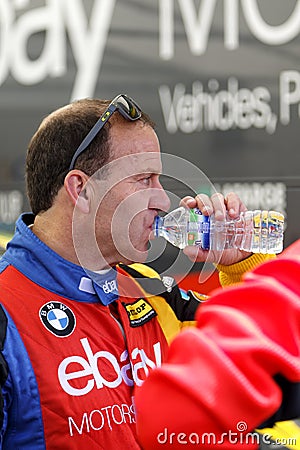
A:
239,369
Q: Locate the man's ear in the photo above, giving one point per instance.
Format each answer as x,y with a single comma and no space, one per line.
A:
76,187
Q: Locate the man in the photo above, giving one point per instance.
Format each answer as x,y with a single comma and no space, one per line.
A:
237,371
79,330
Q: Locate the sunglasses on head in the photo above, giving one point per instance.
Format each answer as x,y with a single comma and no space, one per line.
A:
121,103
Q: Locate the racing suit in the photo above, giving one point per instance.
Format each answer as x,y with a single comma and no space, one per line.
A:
239,369
73,346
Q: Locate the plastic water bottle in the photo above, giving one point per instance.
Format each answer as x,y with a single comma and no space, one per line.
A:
254,231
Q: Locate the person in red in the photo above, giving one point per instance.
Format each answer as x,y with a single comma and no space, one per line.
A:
82,319
237,371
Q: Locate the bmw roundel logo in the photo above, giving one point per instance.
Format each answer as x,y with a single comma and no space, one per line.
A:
58,318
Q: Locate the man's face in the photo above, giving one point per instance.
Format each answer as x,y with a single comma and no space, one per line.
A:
131,194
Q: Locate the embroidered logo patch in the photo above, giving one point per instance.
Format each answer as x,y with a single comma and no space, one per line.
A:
139,312
197,296
58,318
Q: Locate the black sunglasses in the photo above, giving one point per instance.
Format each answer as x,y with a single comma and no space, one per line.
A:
122,103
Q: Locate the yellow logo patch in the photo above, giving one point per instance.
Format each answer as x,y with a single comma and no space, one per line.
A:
198,296
139,312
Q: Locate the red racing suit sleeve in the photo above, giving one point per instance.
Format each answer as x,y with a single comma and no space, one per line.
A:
223,373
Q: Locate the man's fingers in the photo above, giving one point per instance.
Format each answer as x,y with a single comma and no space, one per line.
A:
234,204
188,202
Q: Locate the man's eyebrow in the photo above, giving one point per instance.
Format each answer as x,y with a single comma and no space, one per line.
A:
149,171
152,168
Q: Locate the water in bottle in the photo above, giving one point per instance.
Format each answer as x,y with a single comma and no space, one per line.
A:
254,231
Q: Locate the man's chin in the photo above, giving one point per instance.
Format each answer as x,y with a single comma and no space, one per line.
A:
137,256
141,256
151,235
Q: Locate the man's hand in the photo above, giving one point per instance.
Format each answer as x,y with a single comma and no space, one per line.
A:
219,206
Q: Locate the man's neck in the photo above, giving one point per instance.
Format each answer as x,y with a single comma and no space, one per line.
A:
54,228
56,234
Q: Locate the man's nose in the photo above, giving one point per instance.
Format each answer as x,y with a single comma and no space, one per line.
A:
160,199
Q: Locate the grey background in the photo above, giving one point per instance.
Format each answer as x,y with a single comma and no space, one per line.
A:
131,64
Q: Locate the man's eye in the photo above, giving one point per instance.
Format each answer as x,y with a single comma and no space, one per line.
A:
146,180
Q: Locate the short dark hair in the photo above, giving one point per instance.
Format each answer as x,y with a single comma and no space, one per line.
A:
52,147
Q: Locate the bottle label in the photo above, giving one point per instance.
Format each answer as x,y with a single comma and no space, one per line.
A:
198,229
